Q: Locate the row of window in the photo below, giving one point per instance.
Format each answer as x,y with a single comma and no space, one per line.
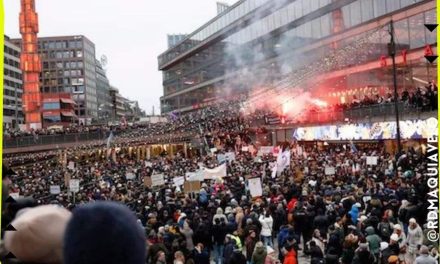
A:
12,84
12,52
61,54
11,102
60,44
11,112
60,73
63,65
12,74
63,81
12,62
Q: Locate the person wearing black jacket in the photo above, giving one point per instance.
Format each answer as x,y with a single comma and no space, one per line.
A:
321,222
315,253
219,234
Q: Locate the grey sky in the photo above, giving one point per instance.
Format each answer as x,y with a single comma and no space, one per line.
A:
131,33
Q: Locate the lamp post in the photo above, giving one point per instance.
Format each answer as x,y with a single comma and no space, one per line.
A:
392,53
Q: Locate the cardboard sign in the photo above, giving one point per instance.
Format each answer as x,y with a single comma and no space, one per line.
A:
147,181
179,181
55,189
74,185
372,160
330,171
191,187
255,187
157,180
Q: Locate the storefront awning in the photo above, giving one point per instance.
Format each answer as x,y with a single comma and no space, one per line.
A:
50,114
64,113
67,101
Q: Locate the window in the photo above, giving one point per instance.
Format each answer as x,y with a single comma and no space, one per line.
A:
417,36
430,18
346,16
379,8
367,10
79,54
401,33
355,13
392,5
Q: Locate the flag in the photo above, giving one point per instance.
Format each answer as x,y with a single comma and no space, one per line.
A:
110,139
353,147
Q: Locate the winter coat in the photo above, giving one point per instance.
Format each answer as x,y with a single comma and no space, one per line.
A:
373,240
237,258
266,225
259,255
354,213
290,257
250,246
219,215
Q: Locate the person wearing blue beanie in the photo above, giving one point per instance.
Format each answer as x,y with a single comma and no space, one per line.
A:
104,232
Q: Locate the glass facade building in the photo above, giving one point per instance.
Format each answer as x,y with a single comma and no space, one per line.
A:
270,38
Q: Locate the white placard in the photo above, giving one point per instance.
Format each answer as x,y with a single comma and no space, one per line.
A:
148,164
74,185
212,174
245,149
230,156
179,181
71,165
221,158
194,176
330,171
255,187
265,150
55,189
130,176
372,160
213,150
157,180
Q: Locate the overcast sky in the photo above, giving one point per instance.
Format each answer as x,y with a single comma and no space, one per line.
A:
131,33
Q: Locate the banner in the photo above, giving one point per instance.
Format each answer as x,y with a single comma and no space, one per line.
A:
265,150
372,160
55,189
179,181
255,187
157,180
194,176
221,158
212,174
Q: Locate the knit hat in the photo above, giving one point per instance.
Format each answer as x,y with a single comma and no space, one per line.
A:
397,227
412,221
259,244
39,235
104,232
393,259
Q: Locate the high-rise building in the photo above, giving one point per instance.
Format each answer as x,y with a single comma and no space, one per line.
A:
255,43
68,79
221,7
103,94
12,87
118,104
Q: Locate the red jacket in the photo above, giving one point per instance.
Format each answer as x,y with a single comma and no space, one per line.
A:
290,258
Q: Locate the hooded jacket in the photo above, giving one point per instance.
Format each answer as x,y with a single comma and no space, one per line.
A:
354,213
259,255
373,240
219,215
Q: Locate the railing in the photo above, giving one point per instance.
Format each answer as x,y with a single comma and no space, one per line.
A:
357,114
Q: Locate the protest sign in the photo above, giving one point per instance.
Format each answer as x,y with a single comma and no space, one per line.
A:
372,160
55,189
230,156
130,176
330,171
74,185
191,187
71,165
264,150
194,176
179,181
157,180
255,187
212,174
221,158
245,149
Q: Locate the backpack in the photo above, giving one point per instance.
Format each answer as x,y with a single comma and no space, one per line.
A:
385,229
